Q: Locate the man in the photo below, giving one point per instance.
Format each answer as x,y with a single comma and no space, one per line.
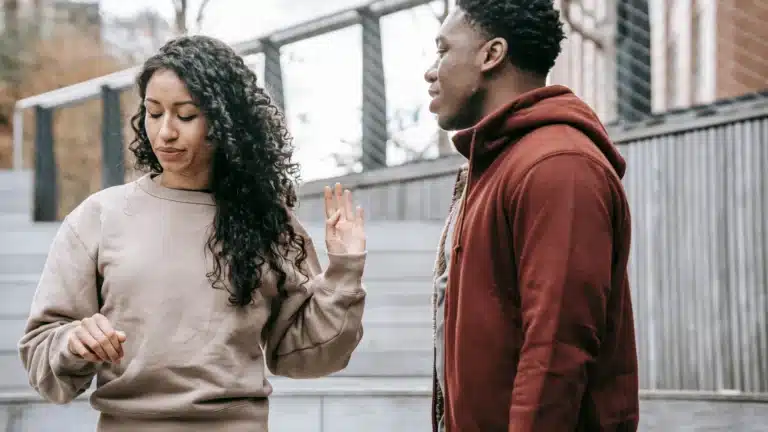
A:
534,324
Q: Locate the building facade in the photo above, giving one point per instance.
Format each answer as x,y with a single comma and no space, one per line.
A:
700,51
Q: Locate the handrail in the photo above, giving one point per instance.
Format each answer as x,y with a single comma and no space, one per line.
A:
124,79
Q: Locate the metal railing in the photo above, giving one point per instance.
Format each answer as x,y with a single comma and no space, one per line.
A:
631,60
374,115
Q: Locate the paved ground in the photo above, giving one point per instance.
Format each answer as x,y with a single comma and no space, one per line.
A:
410,414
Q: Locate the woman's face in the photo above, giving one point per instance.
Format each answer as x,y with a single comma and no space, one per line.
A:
177,131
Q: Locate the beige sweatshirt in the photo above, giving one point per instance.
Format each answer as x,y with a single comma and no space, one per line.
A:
192,361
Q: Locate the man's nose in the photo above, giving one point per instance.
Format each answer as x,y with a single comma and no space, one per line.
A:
430,75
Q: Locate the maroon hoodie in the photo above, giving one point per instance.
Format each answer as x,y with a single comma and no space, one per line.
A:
539,330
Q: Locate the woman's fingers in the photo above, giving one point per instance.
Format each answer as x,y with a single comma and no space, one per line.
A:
77,347
330,225
339,205
90,342
104,345
339,199
330,207
112,337
348,208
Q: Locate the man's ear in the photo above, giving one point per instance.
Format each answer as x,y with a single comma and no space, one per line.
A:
493,53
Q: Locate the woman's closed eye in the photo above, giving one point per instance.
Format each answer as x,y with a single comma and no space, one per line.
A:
182,118
188,118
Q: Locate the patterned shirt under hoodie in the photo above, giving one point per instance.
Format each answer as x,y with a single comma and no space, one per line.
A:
441,266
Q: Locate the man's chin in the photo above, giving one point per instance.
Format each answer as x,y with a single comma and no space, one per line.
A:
447,123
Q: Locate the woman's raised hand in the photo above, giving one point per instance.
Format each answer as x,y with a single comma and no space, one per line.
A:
344,228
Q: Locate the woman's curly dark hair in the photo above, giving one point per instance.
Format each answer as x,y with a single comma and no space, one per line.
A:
252,179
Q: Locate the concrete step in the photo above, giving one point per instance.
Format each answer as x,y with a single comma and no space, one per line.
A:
14,180
381,236
398,331
11,263
380,266
379,337
319,405
16,192
28,238
388,296
363,363
16,220
15,202
386,404
17,291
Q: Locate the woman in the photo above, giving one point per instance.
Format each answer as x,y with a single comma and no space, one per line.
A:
176,289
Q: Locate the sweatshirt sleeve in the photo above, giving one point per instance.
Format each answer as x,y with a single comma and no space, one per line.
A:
561,219
66,293
317,323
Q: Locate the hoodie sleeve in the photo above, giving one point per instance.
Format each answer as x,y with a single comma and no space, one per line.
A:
317,324
66,293
561,218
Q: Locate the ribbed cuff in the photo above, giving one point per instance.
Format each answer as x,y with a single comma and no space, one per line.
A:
64,361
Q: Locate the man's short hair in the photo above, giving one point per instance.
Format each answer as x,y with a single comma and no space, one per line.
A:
532,29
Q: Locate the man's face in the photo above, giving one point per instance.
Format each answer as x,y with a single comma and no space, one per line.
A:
456,77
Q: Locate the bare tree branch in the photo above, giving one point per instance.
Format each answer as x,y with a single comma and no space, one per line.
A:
201,14
180,17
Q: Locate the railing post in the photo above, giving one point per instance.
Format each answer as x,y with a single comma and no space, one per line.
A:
112,152
375,136
273,72
46,190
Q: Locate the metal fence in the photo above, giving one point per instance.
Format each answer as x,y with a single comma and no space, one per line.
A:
698,189
629,59
697,183
633,59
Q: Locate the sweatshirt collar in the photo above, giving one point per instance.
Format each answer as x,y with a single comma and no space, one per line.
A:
150,184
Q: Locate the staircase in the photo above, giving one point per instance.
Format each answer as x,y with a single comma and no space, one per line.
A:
23,246
386,386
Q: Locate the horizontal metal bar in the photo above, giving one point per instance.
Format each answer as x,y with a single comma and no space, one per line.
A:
450,164
81,91
339,20
737,112
125,78
317,27
446,165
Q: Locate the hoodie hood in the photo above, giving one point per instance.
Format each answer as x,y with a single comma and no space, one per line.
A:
532,110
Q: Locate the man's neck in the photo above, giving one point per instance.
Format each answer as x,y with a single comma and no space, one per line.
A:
507,87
